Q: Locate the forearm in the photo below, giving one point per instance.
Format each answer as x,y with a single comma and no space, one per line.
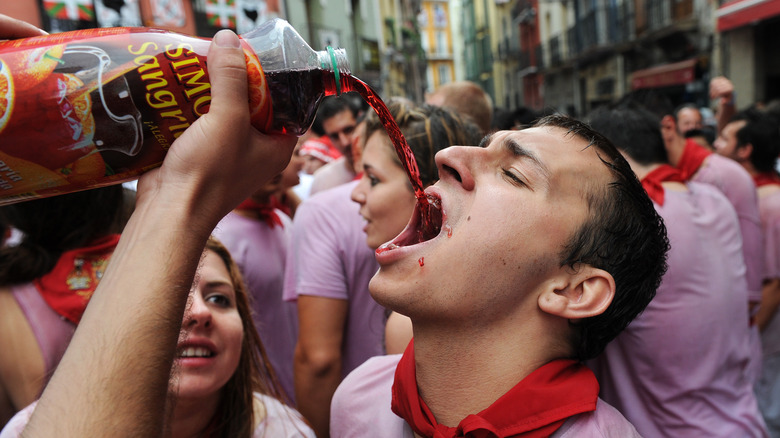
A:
770,302
314,388
143,295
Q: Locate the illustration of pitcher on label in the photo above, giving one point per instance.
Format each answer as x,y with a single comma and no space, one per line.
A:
89,109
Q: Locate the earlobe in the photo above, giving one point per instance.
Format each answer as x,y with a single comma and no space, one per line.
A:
587,293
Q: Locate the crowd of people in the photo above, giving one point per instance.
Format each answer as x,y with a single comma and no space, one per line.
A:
615,275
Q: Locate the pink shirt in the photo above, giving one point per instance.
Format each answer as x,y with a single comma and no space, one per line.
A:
329,258
52,331
280,421
738,186
679,369
331,175
361,408
260,251
770,224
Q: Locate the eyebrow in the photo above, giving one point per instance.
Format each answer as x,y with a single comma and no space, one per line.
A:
519,151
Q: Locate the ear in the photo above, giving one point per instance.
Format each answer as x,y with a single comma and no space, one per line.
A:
668,123
744,152
585,293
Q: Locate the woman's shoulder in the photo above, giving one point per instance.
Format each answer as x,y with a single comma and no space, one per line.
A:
279,420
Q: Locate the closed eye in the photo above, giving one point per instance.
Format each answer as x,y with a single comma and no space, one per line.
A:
514,178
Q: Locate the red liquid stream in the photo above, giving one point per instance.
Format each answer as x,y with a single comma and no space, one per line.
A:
428,229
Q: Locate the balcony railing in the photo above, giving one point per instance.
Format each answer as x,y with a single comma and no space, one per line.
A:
555,50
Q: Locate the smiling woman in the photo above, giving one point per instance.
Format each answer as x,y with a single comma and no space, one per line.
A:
223,384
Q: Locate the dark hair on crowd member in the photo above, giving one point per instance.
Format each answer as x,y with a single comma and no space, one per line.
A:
427,129
684,106
332,105
51,226
708,132
622,235
632,130
761,132
657,103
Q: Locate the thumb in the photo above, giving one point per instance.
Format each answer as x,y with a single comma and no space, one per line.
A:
227,73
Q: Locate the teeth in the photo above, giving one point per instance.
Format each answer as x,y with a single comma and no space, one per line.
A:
434,201
195,352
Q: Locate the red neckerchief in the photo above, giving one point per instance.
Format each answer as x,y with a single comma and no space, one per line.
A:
652,181
69,286
766,178
535,407
264,212
279,202
693,156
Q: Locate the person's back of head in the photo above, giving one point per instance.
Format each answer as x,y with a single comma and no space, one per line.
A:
622,234
427,130
633,130
467,99
651,100
763,134
51,226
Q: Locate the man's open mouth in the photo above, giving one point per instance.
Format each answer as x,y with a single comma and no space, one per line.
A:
425,224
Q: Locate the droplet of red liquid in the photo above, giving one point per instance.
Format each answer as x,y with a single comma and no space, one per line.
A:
421,261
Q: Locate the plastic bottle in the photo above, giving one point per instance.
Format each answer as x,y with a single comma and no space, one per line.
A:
96,107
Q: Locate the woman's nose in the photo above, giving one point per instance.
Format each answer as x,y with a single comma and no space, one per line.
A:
198,313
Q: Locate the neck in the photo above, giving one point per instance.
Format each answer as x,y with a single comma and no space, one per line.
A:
463,372
675,147
191,418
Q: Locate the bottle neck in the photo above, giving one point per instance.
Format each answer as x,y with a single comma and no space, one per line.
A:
334,62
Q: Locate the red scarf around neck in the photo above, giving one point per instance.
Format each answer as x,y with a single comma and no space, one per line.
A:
264,212
692,158
652,181
68,287
766,178
535,407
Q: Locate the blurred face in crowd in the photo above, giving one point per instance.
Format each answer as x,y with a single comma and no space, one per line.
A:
339,129
726,143
687,119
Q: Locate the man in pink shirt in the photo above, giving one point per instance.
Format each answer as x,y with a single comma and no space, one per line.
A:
752,139
673,372
544,248
701,165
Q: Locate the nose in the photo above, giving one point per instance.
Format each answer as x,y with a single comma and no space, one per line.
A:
359,192
198,312
457,163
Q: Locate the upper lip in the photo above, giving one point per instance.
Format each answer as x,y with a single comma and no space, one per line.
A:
196,343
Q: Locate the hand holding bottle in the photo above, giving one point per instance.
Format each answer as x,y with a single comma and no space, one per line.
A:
221,158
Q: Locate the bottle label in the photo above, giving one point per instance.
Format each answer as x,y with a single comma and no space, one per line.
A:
99,106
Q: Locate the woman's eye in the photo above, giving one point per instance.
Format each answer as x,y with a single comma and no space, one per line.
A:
218,299
374,180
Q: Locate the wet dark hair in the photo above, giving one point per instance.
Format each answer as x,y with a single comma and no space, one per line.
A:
634,131
51,226
427,129
762,132
623,235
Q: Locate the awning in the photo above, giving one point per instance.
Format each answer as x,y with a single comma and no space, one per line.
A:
737,13
678,73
